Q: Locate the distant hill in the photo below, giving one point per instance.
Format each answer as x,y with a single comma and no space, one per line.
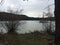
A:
4,16
9,16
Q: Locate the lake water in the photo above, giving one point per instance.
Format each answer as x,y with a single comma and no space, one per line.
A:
25,26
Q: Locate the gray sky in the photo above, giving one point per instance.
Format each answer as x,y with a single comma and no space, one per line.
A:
32,8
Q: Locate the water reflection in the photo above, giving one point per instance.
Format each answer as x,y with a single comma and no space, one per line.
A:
29,26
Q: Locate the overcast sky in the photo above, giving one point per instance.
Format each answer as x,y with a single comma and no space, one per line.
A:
32,8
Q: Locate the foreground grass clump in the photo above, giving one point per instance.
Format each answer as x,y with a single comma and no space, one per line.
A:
29,39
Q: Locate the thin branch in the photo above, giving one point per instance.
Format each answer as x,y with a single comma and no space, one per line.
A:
1,2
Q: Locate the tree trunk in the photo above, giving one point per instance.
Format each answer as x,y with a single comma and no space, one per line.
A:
57,16
12,29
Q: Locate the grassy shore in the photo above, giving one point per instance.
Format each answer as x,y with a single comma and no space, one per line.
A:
28,39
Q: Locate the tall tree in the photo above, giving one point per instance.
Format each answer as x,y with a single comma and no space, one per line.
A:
57,16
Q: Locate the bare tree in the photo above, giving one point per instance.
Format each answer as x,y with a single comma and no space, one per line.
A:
12,25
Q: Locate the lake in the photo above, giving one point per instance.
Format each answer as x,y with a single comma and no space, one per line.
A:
26,26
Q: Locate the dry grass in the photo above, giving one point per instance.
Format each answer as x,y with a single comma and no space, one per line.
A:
28,39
